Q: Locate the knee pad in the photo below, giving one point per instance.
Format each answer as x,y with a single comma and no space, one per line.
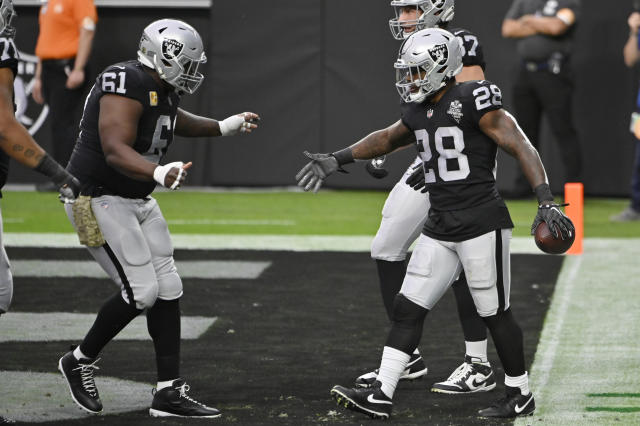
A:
169,282
406,313
144,296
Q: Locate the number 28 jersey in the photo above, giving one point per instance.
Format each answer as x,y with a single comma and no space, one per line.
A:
155,130
459,161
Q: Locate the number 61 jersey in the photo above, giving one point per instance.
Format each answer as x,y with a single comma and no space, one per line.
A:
459,161
155,130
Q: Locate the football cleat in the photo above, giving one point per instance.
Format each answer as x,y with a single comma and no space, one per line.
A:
79,376
5,421
370,401
514,404
416,369
173,401
471,376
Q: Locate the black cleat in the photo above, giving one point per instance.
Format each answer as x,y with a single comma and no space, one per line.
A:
173,401
470,377
514,404
416,369
370,401
79,376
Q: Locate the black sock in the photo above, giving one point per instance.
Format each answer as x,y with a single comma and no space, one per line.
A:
114,315
473,326
507,336
391,275
163,323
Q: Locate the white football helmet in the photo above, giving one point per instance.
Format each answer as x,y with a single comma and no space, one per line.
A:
7,13
174,49
427,61
430,14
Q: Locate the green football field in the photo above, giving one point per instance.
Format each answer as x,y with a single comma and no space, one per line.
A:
585,368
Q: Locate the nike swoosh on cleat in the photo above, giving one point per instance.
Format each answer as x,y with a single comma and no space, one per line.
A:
372,400
519,409
476,384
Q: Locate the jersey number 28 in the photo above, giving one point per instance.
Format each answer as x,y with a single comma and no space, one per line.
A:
445,155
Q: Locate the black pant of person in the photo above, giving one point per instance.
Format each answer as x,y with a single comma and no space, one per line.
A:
65,107
541,91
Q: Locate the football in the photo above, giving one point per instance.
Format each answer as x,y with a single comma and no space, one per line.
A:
548,244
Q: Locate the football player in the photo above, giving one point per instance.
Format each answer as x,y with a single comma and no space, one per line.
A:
129,120
405,212
457,129
16,142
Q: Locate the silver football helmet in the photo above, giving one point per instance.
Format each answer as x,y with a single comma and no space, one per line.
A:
427,61
7,13
430,14
174,49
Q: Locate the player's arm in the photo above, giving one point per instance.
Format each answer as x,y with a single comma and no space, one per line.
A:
118,127
16,141
500,126
551,25
191,125
470,73
631,52
516,28
374,145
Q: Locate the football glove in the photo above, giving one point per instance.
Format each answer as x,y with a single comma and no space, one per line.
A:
313,174
241,123
376,168
160,174
555,219
416,179
69,190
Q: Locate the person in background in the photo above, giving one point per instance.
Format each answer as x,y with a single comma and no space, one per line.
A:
631,54
67,28
545,31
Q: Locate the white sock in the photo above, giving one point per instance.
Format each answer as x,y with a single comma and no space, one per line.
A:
77,353
477,350
165,384
391,368
521,382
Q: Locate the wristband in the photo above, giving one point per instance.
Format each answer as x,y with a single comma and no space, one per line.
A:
344,156
54,171
231,125
543,193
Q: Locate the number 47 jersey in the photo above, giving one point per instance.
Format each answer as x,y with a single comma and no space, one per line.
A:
155,130
459,161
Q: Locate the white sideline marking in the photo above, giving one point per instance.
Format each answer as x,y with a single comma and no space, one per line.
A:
58,326
304,243
44,397
248,222
566,284
206,269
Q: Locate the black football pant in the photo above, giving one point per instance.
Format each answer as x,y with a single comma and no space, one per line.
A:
65,107
541,91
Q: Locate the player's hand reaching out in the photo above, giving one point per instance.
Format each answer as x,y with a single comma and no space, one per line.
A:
240,123
171,175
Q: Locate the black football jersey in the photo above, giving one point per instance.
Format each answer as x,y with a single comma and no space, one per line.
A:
8,59
472,52
459,161
155,130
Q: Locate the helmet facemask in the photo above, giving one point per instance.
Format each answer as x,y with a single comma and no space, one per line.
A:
430,13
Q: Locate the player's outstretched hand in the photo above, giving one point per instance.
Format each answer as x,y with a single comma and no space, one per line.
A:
69,190
240,123
313,174
416,180
555,219
171,175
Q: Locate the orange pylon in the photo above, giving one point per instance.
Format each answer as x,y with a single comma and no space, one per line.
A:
574,195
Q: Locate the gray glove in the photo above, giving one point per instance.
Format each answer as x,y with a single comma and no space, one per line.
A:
316,171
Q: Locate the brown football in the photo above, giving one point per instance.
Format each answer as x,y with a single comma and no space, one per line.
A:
548,244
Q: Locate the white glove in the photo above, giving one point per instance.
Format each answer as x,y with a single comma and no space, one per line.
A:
233,125
160,173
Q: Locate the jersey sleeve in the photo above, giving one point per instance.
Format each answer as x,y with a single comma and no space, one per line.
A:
126,81
8,55
84,9
472,51
480,97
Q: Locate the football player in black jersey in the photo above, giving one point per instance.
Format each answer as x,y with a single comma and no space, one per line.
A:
457,129
129,120
15,142
405,211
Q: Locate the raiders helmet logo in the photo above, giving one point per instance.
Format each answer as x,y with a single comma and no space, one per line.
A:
171,48
439,53
28,112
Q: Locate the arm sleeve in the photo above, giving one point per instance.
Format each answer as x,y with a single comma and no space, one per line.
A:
515,11
84,9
